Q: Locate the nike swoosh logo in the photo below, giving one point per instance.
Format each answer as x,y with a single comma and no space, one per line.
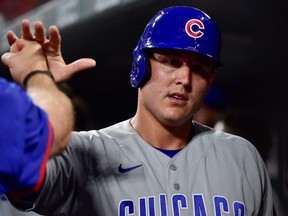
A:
125,170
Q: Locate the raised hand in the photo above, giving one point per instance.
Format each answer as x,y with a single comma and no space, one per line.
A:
52,50
24,57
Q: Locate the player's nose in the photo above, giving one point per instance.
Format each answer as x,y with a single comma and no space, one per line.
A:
183,75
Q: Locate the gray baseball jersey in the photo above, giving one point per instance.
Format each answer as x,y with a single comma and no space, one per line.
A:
113,171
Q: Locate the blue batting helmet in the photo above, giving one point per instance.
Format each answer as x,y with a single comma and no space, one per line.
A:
178,27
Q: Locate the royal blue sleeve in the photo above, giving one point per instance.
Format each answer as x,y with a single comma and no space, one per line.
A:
26,137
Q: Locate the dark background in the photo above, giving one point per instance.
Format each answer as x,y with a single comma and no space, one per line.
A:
254,52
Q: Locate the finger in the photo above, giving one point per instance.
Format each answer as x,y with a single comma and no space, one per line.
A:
14,48
11,37
74,67
55,37
17,46
40,32
81,64
26,30
5,58
20,45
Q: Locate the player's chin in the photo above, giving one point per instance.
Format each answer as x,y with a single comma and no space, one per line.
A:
175,119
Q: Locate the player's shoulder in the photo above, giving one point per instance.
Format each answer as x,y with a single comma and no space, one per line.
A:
117,132
221,139
226,144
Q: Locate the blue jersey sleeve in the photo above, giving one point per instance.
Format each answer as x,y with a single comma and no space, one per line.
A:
26,137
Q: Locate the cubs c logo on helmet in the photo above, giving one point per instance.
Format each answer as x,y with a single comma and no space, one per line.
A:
189,28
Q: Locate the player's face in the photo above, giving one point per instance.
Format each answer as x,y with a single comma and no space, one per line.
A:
177,87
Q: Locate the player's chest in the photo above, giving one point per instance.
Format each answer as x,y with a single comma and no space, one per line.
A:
138,189
144,181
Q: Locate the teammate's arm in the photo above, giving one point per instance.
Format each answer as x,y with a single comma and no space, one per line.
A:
26,56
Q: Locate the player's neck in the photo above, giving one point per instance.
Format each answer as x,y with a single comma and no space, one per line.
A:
161,136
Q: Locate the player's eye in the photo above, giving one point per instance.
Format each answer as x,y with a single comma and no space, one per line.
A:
167,60
173,62
201,70
196,69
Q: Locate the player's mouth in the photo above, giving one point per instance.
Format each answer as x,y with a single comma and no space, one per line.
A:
178,98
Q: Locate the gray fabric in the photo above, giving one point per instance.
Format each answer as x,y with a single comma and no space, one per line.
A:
216,173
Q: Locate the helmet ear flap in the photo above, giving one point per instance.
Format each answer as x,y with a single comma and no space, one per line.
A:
134,74
141,69
147,74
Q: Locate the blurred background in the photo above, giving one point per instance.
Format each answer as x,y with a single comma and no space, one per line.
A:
250,93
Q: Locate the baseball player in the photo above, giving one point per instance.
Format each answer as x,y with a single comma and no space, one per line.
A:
159,162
